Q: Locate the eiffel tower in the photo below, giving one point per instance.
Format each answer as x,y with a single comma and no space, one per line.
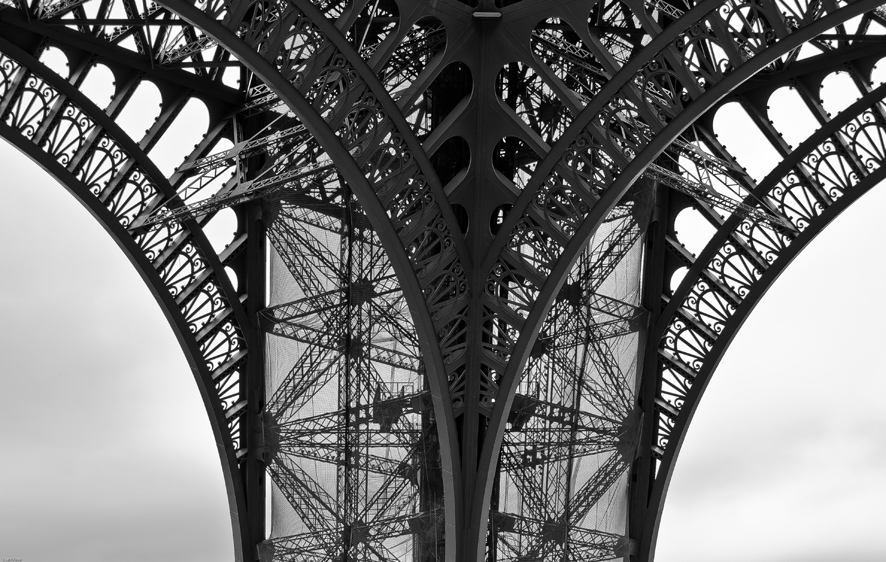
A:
456,321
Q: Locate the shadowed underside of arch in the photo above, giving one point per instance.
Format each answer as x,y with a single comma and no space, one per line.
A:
471,348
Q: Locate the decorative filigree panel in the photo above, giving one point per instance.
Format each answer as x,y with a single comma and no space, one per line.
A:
112,176
847,150
457,199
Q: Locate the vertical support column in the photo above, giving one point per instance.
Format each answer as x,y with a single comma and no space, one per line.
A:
643,469
252,278
253,466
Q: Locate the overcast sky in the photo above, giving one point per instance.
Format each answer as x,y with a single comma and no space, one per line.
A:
785,460
107,455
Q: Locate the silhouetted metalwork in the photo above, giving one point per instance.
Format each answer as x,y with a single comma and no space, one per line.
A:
455,321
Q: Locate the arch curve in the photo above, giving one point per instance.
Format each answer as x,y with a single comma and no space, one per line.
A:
80,146
599,132
691,344
356,219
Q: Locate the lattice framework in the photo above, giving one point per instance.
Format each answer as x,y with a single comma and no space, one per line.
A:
471,348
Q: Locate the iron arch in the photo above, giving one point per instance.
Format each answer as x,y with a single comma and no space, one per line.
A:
676,402
86,151
631,156
478,303
391,177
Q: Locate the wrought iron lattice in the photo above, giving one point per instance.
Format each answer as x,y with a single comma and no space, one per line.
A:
446,327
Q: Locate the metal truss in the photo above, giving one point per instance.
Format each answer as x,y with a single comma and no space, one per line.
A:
348,426
470,348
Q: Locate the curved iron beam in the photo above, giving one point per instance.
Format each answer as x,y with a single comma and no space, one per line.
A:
609,199
752,298
219,417
581,121
377,214
642,160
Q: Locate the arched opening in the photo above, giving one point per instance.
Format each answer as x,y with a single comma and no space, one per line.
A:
98,85
182,135
109,452
744,140
693,230
784,458
141,110
790,116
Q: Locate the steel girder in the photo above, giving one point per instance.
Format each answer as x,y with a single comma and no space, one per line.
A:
472,349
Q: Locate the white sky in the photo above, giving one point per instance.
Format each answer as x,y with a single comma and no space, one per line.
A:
107,455
784,460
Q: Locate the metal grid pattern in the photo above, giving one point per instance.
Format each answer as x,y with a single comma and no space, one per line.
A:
471,348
